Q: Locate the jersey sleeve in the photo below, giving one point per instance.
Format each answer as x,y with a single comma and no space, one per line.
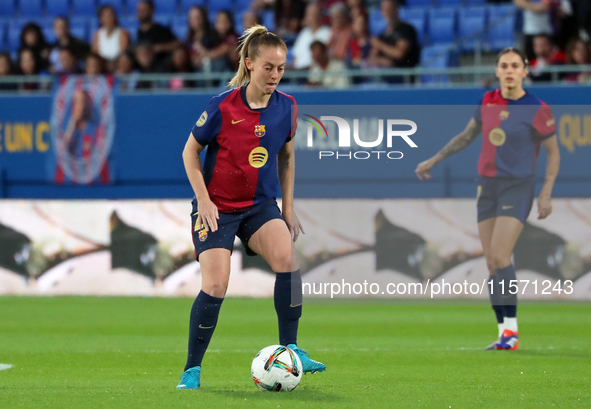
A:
209,124
543,123
294,122
478,112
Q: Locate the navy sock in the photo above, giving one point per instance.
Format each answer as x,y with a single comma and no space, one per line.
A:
288,305
204,317
508,300
495,298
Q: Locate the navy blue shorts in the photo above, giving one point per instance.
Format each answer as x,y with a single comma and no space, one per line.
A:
242,224
505,197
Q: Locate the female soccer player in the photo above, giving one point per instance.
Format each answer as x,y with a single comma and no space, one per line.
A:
513,123
248,131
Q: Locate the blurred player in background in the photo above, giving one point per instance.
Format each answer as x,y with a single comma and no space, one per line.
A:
514,124
248,131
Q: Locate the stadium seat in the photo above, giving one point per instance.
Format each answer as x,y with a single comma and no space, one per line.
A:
377,24
7,8
30,8
164,19
48,33
442,25
81,30
187,4
117,4
14,33
417,17
58,7
3,29
238,18
472,20
130,24
242,5
475,2
268,18
132,7
501,27
180,30
217,5
419,3
165,6
84,7
436,56
450,3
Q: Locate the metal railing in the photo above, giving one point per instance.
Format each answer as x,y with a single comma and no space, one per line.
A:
218,80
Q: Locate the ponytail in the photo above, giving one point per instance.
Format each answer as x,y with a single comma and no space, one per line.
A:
250,44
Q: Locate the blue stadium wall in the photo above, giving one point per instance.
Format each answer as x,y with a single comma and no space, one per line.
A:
151,130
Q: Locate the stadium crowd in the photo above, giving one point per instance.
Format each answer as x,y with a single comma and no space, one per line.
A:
324,37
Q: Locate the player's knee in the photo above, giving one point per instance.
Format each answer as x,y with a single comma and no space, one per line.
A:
499,260
282,261
490,265
215,288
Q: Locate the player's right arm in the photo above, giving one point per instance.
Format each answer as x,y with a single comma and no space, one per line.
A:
459,142
206,209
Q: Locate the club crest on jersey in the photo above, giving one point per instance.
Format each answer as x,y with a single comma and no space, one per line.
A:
259,130
202,234
504,115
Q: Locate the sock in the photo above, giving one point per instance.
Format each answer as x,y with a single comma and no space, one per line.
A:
204,317
511,324
501,328
495,298
508,300
288,305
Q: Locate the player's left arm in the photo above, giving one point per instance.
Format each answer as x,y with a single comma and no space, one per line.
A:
552,166
286,169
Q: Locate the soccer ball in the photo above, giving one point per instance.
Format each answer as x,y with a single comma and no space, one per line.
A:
276,368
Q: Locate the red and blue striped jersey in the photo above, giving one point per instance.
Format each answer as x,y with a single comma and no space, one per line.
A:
240,167
512,131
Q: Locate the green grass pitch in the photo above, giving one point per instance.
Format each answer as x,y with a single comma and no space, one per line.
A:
70,352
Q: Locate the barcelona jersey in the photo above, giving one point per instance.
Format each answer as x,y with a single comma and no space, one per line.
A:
512,131
240,167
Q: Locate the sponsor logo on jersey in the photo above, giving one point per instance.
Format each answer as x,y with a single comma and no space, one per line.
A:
497,137
202,119
258,157
259,130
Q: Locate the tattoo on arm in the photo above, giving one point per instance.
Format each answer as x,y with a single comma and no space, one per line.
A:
461,140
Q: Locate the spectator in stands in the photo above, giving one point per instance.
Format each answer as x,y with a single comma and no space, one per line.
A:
68,62
359,47
536,20
180,65
546,54
95,65
578,52
224,57
340,31
357,7
325,71
147,63
32,38
5,70
397,46
288,17
200,37
127,65
582,11
313,31
28,65
160,37
110,39
250,19
63,38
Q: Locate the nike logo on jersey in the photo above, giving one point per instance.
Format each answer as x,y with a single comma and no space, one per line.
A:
507,207
234,122
202,327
